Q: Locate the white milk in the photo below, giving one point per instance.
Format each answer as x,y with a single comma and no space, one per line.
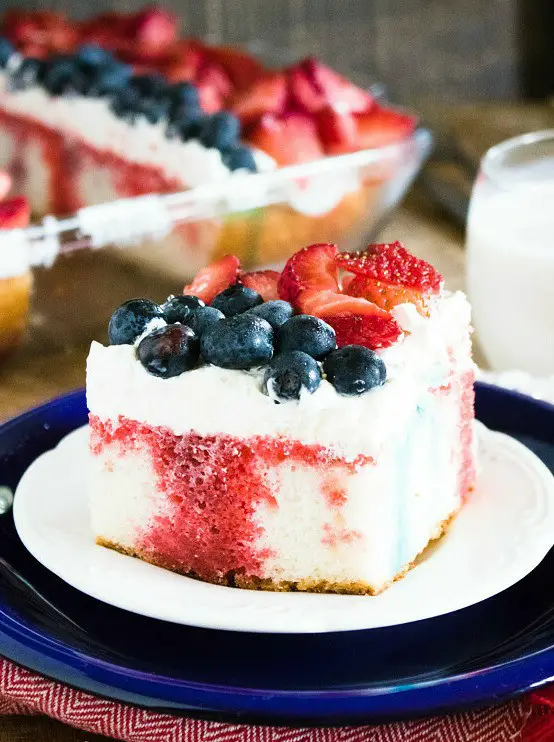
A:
511,268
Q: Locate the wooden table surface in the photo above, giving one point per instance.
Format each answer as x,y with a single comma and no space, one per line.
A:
73,303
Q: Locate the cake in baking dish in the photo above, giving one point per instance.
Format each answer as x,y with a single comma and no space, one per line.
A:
118,105
305,430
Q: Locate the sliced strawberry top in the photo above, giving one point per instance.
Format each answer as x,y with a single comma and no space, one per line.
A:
214,278
355,321
394,265
313,267
14,213
264,282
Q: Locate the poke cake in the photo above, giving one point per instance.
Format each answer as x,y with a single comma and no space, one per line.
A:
309,430
117,106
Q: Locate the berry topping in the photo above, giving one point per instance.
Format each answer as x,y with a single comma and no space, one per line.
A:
6,51
30,72
314,86
312,268
289,139
14,213
93,55
179,308
169,351
183,95
266,95
275,312
239,158
238,342
290,373
236,299
264,282
62,75
108,79
130,319
308,334
382,126
354,370
214,278
221,131
355,321
389,275
204,317
393,264
337,131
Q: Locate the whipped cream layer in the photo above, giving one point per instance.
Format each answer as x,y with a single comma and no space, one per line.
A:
91,121
213,400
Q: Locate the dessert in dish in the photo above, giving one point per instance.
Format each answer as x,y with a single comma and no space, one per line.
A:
305,430
15,277
118,106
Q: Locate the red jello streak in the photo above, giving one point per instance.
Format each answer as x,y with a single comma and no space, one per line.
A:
67,157
467,474
213,485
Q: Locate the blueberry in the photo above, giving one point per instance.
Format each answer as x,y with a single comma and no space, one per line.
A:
126,104
153,109
236,300
289,373
108,79
62,75
30,72
169,351
185,125
240,158
93,55
130,320
275,312
184,95
238,342
204,317
310,334
6,51
221,131
179,308
354,369
151,86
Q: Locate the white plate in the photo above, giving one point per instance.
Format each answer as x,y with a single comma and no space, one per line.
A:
501,534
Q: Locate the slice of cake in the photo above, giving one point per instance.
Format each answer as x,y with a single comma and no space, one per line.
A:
309,430
118,106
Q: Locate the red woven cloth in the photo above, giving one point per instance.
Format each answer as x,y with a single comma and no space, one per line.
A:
23,692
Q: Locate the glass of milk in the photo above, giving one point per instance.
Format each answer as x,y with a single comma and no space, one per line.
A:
510,246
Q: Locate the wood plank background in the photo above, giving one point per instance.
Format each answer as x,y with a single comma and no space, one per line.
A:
422,49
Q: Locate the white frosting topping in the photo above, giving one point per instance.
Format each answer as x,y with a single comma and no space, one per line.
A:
213,400
91,121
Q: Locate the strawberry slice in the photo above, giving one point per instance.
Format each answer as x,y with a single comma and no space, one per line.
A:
289,139
14,213
382,126
391,263
314,86
354,320
264,282
387,296
337,131
312,268
214,278
266,95
388,275
185,65
239,65
154,27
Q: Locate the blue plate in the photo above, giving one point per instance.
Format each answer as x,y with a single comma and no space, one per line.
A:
474,657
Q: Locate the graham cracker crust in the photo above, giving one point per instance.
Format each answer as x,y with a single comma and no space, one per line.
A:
235,579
